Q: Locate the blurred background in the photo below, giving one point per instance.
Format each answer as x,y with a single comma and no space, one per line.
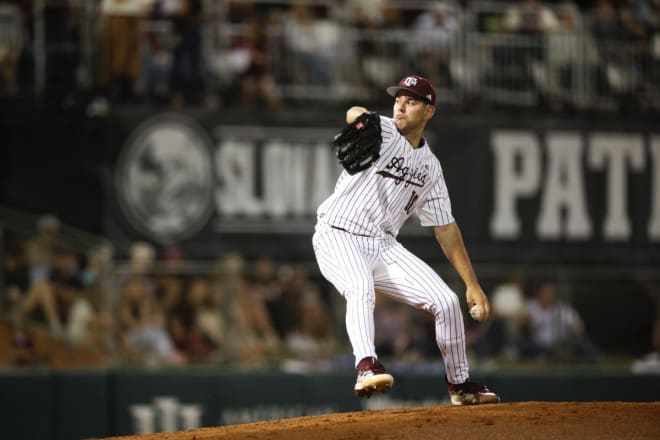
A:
161,162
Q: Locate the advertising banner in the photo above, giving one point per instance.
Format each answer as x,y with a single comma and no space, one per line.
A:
533,191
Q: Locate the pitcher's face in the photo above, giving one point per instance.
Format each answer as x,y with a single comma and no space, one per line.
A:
411,113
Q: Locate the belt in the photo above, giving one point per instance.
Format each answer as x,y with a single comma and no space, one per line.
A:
349,232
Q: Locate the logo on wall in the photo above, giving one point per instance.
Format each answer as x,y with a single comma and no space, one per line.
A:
165,414
164,178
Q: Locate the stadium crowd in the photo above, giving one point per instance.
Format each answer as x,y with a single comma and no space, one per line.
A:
224,53
152,309
155,308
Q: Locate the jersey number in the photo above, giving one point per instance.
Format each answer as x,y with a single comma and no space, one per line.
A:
411,202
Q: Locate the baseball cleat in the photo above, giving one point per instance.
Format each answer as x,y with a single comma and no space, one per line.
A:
372,378
471,393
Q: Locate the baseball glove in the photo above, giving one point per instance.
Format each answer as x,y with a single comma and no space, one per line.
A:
358,144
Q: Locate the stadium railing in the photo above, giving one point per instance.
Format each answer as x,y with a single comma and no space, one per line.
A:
486,55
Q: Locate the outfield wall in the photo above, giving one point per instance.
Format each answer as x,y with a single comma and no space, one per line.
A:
75,405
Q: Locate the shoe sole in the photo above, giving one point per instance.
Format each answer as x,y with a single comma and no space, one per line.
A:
481,399
381,383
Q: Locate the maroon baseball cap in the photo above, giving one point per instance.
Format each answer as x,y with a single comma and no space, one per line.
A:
417,85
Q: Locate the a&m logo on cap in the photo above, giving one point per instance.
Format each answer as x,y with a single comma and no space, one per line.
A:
410,81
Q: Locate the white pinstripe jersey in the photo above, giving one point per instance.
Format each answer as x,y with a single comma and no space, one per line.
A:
376,202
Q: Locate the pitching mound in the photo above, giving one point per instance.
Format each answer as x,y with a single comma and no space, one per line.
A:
538,420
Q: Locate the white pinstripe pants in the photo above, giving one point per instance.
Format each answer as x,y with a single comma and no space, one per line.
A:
359,266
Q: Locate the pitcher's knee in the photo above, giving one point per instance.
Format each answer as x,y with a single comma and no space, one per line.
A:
450,305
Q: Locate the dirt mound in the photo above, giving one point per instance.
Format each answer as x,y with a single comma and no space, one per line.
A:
538,420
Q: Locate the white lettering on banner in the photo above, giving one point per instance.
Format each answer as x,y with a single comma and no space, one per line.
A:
512,148
654,221
285,178
563,190
165,414
519,167
295,178
171,179
276,167
236,192
614,152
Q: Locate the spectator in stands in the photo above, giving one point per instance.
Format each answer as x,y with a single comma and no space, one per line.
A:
310,42
62,32
172,304
170,281
568,48
194,323
555,328
650,362
377,54
395,330
207,319
435,35
143,333
503,332
143,336
25,299
302,317
140,266
69,301
187,80
531,18
142,258
169,291
250,335
605,21
534,20
73,308
65,274
36,298
614,29
90,319
635,19
120,44
41,248
283,303
266,285
256,81
366,11
159,39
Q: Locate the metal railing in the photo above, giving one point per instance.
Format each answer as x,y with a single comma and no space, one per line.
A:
563,64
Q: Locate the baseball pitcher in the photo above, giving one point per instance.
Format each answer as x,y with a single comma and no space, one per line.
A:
390,173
